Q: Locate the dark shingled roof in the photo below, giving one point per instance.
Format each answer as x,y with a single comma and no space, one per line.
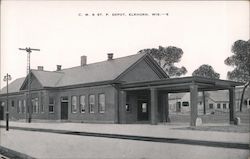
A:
14,86
96,72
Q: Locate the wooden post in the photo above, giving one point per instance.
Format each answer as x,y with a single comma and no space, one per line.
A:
194,102
231,105
154,106
122,104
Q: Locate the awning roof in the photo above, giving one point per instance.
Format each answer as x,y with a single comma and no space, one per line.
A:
174,85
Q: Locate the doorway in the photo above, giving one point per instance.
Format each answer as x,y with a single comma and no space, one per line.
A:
1,111
143,110
64,108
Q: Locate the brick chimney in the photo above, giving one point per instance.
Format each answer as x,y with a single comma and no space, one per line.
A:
83,60
58,67
110,56
40,68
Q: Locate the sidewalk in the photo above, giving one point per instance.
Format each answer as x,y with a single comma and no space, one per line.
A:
166,131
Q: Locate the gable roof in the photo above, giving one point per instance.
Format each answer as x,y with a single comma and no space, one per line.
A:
109,70
13,86
97,72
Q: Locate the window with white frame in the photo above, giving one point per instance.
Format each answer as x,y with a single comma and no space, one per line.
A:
24,106
19,108
41,104
73,104
82,104
51,104
101,103
218,106
211,106
35,105
91,103
224,106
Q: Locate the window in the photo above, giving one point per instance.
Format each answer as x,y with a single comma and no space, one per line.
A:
24,106
2,104
248,102
19,108
185,104
224,106
211,106
41,104
51,104
91,103
144,107
101,103
127,107
73,104
35,105
12,103
218,106
82,104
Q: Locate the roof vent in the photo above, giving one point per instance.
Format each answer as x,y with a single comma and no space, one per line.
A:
110,56
40,68
58,67
83,60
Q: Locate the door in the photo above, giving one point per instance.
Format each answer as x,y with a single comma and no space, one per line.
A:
1,111
64,110
143,110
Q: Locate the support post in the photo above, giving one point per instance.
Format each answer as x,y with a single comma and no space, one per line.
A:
204,102
193,104
122,101
165,110
154,106
231,105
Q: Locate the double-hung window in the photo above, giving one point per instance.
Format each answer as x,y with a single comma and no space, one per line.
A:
82,104
73,104
91,103
101,103
51,104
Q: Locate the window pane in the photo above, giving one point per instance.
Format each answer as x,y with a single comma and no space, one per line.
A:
51,108
144,107
19,108
24,106
51,100
73,104
82,104
101,103
91,103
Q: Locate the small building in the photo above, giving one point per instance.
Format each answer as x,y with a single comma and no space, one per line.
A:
130,89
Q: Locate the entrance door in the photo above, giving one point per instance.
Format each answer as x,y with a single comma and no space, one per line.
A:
64,108
143,110
1,111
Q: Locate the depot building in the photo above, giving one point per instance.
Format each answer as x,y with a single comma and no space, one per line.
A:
129,89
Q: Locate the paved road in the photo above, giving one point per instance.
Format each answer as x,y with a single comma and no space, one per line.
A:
141,138
46,145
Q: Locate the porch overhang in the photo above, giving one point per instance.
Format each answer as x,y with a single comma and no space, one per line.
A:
175,85
193,84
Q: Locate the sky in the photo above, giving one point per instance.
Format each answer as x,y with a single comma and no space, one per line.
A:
204,30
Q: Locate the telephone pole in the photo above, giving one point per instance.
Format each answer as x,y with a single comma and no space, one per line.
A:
29,104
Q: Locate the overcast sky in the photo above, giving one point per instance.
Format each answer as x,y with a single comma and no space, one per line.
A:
205,31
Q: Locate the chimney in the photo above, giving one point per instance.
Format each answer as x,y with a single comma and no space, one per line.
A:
110,56
58,67
83,60
40,68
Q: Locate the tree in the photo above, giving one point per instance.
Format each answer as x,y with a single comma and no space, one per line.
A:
240,60
166,57
208,72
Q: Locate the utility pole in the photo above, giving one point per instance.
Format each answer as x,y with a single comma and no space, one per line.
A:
29,104
6,79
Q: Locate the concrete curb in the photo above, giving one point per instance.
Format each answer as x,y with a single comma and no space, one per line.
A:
13,154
